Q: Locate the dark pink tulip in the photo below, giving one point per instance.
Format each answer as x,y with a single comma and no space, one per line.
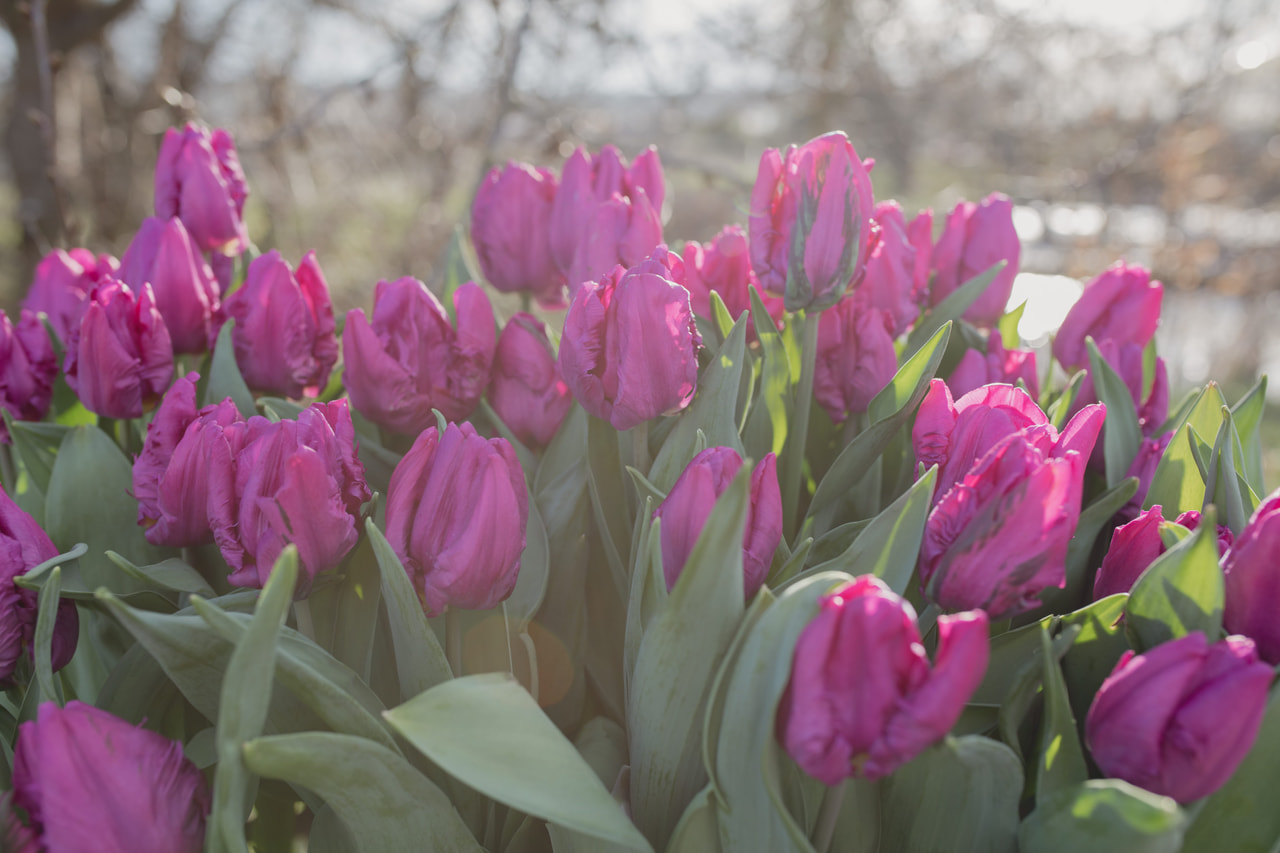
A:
1121,305
810,221
199,180
510,227
410,360
688,506
1252,569
856,358
1136,544
120,359
87,780
724,266
526,389
629,350
163,255
998,365
975,237
1179,719
287,482
1151,404
23,546
862,699
1144,468
62,283
920,235
890,281
284,334
27,369
456,515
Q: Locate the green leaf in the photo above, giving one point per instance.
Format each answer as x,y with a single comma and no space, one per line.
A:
1181,592
46,618
769,412
1107,816
1007,327
535,571
384,802
487,731
527,458
344,613
1121,434
720,315
1248,414
36,444
279,409
171,575
224,375
1061,764
950,309
459,268
607,487
1223,485
698,830
1176,485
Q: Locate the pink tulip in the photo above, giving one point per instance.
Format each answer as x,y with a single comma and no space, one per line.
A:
856,358
977,236
510,227
724,266
526,390
891,279
1252,569
163,255
998,365
28,369
1121,305
1136,544
62,283
1151,404
920,235
199,180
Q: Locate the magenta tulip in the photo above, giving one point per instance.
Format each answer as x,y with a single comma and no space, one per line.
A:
920,235
997,365
410,360
510,227
862,699
62,283
1252,569
1151,404
976,237
1180,718
1121,305
456,515
28,368
526,390
23,546
284,334
163,255
724,266
856,358
199,180
1136,544
86,780
890,283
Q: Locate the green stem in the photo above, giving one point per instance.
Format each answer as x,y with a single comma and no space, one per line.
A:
798,432
640,447
7,470
453,640
526,301
828,815
273,828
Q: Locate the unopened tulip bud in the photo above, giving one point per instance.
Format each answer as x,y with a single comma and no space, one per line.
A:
199,180
856,358
999,365
976,237
526,390
28,369
1121,305
1252,570
510,221
163,255
62,283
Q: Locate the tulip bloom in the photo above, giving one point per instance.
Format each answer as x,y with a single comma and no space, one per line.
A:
998,365
1253,580
526,390
88,780
724,266
892,277
510,227
856,358
120,359
284,334
629,350
1121,305
410,360
810,220
920,235
23,546
1136,544
975,237
62,283
1151,404
27,369
1179,719
456,514
199,180
688,506
862,699
163,255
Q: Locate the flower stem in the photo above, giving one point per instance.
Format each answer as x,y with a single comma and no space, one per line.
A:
7,469
302,613
526,301
640,447
453,640
828,815
798,432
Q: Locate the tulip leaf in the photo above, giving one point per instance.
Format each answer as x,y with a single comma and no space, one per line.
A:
279,409
344,614
678,656
487,731
420,662
720,316
225,379
1061,407
1007,327
608,495
1248,414
1061,764
1176,485
329,834
950,309
1182,591
171,575
1024,688
382,800
528,460
42,641
1223,486
36,444
648,594
1121,435
459,268
531,582
1095,651
698,830
766,430
835,542
242,711
1108,816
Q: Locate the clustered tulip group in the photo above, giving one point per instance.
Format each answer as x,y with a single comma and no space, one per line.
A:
789,507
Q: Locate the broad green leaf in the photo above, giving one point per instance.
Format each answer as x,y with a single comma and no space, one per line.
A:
344,614
1007,327
1121,435
835,542
1061,764
770,411
1107,816
172,575
1248,414
1059,410
36,444
1181,592
1223,485
1095,651
698,830
1176,485
607,486
42,641
950,309
535,569
720,316
459,268
224,375
1025,687
487,731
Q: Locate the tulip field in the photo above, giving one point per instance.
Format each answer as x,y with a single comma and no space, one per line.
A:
783,541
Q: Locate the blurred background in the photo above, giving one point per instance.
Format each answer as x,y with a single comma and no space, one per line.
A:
1142,129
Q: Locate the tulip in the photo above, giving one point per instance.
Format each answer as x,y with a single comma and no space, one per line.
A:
188,297
62,283
456,514
526,390
510,227
290,482
998,365
120,359
1252,571
856,358
810,220
688,506
284,334
1144,468
23,546
920,235
1121,305
28,368
411,360
1151,404
1136,544
1178,719
976,237
629,350
724,266
862,699
891,279
199,180
87,780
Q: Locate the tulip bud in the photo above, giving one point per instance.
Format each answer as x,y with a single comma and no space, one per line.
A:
811,211
1144,468
856,358
629,350
890,282
526,390
27,369
456,515
284,334
998,365
87,780
920,235
510,226
1151,404
1252,570
120,359
23,546
1180,718
163,255
62,283
862,699
411,360
724,266
689,503
977,236
199,180
1136,544
1121,305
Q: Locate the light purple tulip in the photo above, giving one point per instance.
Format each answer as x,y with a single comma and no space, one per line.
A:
163,255
62,282
199,180
526,390
28,369
856,358
997,365
510,227
1121,305
1252,569
975,237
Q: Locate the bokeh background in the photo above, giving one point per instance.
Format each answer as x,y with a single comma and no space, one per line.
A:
1142,129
